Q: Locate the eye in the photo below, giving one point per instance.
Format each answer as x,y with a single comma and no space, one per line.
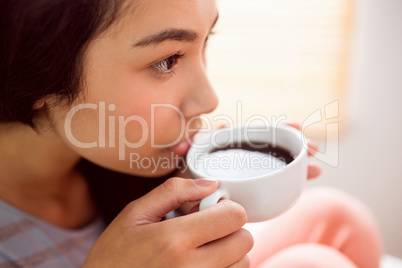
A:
167,65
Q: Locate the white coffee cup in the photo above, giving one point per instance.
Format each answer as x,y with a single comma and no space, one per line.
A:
263,196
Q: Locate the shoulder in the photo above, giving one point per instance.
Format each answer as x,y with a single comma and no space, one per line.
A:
14,228
29,242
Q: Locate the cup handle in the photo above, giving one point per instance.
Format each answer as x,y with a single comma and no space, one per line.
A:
213,198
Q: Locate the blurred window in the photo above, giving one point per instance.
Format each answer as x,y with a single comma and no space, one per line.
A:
280,57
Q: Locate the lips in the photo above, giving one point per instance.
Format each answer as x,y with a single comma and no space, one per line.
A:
182,148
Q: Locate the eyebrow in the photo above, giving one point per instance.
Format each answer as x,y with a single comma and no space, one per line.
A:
169,34
173,34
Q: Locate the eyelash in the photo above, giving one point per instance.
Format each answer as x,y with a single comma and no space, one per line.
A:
166,66
172,61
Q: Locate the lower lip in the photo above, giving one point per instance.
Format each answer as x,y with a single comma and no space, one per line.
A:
182,148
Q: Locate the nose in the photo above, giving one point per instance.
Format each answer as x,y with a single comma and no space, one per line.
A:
201,97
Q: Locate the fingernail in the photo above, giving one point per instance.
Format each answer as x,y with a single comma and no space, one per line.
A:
204,183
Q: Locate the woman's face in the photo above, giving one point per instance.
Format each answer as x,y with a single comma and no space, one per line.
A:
146,84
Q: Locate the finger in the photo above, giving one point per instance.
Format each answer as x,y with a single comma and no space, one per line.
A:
313,171
229,250
312,148
190,207
167,197
224,125
212,223
243,263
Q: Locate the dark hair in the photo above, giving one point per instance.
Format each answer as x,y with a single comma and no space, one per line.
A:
112,191
42,46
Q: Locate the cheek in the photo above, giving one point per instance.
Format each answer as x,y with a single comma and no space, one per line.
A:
80,124
85,130
141,124
168,124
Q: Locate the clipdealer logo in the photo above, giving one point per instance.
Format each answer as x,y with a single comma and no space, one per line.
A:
328,116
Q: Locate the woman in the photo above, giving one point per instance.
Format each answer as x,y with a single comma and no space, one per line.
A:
88,85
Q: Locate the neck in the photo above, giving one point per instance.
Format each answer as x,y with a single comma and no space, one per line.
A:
38,175
30,158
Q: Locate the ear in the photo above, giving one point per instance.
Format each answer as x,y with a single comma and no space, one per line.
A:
39,104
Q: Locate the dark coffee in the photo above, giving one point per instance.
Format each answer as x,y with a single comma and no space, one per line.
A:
265,148
243,160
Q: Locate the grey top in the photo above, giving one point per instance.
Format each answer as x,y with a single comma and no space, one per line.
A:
26,241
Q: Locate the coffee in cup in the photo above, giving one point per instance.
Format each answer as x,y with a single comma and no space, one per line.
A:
264,171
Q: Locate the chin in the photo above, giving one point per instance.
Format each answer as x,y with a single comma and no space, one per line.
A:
148,173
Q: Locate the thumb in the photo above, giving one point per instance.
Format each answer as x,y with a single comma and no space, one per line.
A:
167,197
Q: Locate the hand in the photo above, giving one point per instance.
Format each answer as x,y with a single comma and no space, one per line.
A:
313,170
212,237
